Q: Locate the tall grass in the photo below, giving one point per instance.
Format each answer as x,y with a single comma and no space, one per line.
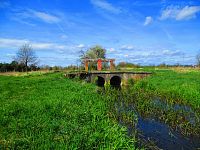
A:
173,92
179,87
47,111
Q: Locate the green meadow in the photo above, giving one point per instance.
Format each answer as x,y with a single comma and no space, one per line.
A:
179,87
49,111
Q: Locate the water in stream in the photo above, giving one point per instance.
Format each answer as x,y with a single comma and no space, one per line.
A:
164,137
151,132
189,113
155,134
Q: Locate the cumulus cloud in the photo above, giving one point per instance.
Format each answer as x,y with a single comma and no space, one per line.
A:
178,13
148,20
64,53
172,53
148,56
16,43
57,52
4,42
103,4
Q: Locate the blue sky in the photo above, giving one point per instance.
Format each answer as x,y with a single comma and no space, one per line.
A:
139,31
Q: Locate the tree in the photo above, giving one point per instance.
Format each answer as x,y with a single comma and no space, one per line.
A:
95,52
26,56
127,65
198,59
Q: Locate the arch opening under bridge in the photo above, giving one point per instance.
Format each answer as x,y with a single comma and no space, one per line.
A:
100,81
115,81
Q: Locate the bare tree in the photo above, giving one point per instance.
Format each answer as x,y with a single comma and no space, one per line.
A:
26,56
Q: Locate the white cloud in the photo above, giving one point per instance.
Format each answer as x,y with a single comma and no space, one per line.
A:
126,55
148,55
177,13
45,46
46,17
81,46
24,15
127,47
12,43
172,53
10,55
148,20
188,12
103,4
16,43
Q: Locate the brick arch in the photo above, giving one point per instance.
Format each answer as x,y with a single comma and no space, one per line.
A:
101,75
119,75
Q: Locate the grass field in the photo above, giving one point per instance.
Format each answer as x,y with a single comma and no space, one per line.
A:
179,85
47,111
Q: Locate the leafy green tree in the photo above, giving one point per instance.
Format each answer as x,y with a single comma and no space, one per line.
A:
95,52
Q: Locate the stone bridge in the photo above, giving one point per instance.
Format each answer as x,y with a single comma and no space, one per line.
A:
113,78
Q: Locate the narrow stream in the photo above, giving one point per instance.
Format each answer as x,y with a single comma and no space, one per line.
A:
155,134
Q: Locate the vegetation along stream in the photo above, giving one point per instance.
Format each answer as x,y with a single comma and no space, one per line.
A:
157,123
155,132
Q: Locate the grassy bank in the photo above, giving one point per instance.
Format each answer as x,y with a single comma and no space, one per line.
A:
170,96
177,87
47,111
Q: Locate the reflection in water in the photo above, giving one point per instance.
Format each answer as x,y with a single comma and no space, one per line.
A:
153,133
189,114
164,137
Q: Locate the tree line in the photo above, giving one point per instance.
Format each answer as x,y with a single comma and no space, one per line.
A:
18,67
